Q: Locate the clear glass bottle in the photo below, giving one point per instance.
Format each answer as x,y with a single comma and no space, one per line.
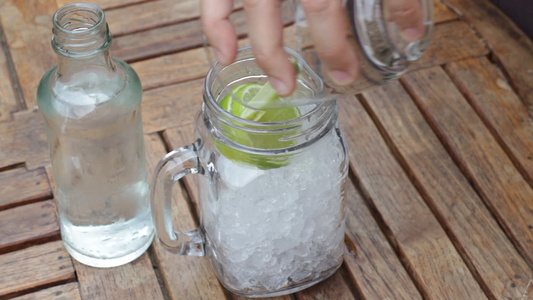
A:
91,104
271,194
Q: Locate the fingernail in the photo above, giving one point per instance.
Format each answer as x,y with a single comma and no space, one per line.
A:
220,56
281,87
411,34
341,77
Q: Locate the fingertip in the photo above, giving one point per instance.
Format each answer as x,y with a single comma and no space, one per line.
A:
283,88
226,53
341,78
412,34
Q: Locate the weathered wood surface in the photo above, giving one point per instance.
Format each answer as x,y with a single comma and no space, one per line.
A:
69,291
33,268
415,232
440,196
442,183
19,186
510,47
28,223
475,150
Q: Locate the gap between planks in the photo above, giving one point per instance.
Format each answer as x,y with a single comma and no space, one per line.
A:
434,210
13,77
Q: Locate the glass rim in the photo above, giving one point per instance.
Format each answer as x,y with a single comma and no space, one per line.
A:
71,8
211,100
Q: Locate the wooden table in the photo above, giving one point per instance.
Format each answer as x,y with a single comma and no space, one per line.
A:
440,197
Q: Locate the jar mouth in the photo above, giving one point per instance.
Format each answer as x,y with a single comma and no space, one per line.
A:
253,73
272,139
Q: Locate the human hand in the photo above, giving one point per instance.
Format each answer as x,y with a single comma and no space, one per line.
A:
327,24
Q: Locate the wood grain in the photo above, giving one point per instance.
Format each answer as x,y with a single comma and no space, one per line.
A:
451,41
28,223
442,13
69,291
167,39
148,15
171,106
105,4
416,234
34,267
490,255
510,46
20,186
171,69
8,100
374,268
477,153
184,277
334,287
27,28
24,140
500,109
135,280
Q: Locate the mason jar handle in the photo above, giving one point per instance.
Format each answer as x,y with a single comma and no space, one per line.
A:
174,166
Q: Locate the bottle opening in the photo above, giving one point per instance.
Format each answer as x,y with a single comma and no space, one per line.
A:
80,29
78,17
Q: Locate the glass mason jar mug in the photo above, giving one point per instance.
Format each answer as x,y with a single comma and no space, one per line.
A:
271,194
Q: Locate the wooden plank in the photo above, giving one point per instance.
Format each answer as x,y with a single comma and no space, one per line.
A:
171,69
451,41
490,255
20,186
171,106
34,267
442,13
510,46
27,28
24,140
135,280
334,287
8,100
28,223
105,4
152,14
374,267
414,231
200,281
472,146
69,291
499,107
167,39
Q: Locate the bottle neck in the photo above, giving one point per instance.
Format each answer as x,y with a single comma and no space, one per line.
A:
80,37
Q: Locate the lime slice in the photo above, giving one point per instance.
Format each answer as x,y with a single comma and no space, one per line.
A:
245,92
257,95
